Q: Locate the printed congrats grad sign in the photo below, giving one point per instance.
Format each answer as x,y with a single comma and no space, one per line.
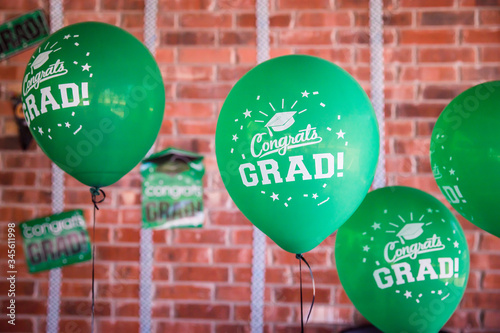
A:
55,241
172,190
22,32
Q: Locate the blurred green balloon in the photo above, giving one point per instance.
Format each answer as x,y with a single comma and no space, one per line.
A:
465,155
93,98
403,260
297,145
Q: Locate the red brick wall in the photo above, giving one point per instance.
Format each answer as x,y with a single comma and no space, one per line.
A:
434,49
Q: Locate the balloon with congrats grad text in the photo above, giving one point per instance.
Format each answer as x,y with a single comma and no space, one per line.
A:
93,98
297,145
465,155
403,260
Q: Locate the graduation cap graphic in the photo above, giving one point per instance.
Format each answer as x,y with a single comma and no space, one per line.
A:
280,121
435,171
41,59
410,231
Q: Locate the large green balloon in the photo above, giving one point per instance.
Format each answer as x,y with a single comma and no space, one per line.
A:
465,155
403,260
93,98
297,146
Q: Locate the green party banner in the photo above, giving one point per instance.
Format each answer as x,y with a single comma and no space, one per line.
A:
55,241
403,261
172,190
22,32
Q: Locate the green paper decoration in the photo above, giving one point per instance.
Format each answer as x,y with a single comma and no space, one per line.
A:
297,145
93,98
465,155
403,260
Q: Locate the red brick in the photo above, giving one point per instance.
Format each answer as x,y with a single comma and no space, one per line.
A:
85,16
205,20
424,183
448,54
489,54
16,214
401,19
160,273
182,292
188,73
237,256
175,5
242,312
491,281
127,235
399,128
447,92
203,91
426,3
430,74
492,319
398,164
292,295
302,5
489,242
446,18
419,110
460,319
118,289
323,19
425,127
241,236
232,293
178,254
199,273
476,36
483,73
433,36
204,55
22,288
127,309
237,38
133,20
183,327
484,261
236,5
306,37
131,326
83,308
202,311
337,55
480,3
22,325
117,253
483,300
26,196
84,270
200,236
489,17
187,38
74,325
11,178
76,289
232,328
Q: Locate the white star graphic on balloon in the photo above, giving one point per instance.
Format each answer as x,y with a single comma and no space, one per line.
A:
340,134
305,94
235,137
429,210
366,248
440,292
247,113
275,196
40,130
407,294
315,195
456,244
452,172
67,125
67,36
376,226
86,67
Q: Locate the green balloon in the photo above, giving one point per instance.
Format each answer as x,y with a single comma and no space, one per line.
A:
403,260
297,145
93,98
465,155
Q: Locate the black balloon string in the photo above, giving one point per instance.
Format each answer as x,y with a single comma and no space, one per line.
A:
301,258
95,192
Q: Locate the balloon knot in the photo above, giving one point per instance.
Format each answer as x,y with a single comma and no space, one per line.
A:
96,192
